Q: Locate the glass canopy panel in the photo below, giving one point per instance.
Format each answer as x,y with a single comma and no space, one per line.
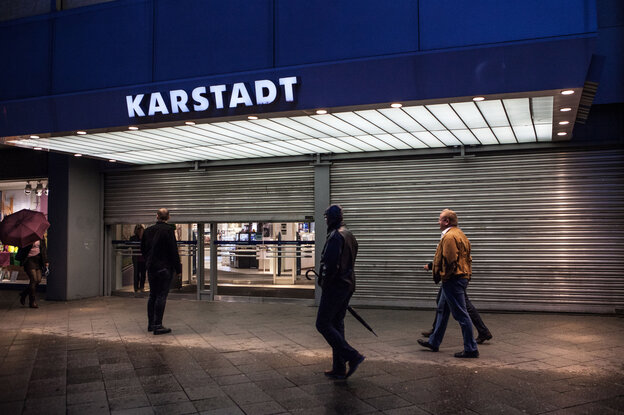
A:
470,115
402,119
494,113
360,122
447,116
424,118
381,121
338,124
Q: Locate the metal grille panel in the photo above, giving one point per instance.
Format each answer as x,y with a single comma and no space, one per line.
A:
546,229
228,194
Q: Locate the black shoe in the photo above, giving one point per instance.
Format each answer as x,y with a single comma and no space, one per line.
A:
332,374
22,299
467,355
427,333
161,330
353,364
481,338
150,328
427,345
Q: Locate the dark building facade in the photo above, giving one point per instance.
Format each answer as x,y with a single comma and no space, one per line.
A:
268,111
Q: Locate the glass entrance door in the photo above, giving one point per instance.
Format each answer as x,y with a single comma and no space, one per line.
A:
261,259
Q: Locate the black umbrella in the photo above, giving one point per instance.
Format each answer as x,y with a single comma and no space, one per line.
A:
351,310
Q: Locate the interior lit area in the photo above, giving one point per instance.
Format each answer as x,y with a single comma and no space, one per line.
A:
254,258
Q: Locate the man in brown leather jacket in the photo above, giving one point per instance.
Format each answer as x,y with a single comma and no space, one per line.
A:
452,264
338,283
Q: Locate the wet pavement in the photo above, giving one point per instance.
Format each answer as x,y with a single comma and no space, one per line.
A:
95,356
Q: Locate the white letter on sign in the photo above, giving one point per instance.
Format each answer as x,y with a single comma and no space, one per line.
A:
288,87
179,98
202,101
134,105
270,87
240,95
218,90
157,104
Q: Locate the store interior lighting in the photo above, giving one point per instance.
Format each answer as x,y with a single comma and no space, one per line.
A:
506,119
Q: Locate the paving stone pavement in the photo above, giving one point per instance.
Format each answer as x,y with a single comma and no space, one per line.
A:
95,356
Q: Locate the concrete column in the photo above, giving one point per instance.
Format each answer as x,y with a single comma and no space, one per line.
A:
74,237
321,202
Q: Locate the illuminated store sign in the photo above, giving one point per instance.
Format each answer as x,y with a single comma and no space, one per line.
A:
201,98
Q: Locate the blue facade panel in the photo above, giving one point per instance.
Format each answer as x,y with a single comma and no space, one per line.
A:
198,38
453,23
25,57
309,32
611,85
108,48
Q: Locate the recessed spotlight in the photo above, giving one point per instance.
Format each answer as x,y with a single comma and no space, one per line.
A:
562,133
478,99
564,122
112,161
396,105
34,136
567,92
189,123
37,148
252,117
133,128
321,112
566,109
77,155
81,132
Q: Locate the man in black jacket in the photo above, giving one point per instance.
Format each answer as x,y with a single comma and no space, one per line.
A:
338,283
160,250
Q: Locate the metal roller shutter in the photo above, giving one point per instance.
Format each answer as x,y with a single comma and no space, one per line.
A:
546,229
224,194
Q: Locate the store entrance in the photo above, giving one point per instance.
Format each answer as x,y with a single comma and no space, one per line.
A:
262,259
250,259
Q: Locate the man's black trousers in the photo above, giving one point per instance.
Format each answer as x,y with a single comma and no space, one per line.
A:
159,281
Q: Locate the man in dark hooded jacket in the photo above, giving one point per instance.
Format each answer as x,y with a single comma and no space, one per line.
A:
338,283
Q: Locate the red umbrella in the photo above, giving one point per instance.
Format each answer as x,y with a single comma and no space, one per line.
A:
23,228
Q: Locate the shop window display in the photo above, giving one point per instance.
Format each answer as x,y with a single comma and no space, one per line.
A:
14,198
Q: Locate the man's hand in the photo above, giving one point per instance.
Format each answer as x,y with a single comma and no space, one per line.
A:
426,267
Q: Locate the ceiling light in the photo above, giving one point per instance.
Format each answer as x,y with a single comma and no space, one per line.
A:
321,112
81,132
189,123
37,148
77,155
34,136
396,105
562,133
28,188
478,99
112,161
566,109
252,117
133,128
567,92
564,122
39,189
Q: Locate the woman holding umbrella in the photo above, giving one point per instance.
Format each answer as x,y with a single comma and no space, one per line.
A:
26,229
34,258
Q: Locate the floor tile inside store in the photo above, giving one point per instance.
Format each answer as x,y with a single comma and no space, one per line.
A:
95,356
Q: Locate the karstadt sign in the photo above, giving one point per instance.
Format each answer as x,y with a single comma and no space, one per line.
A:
202,98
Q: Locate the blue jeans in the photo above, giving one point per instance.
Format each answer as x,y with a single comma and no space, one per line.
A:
330,323
453,300
159,281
